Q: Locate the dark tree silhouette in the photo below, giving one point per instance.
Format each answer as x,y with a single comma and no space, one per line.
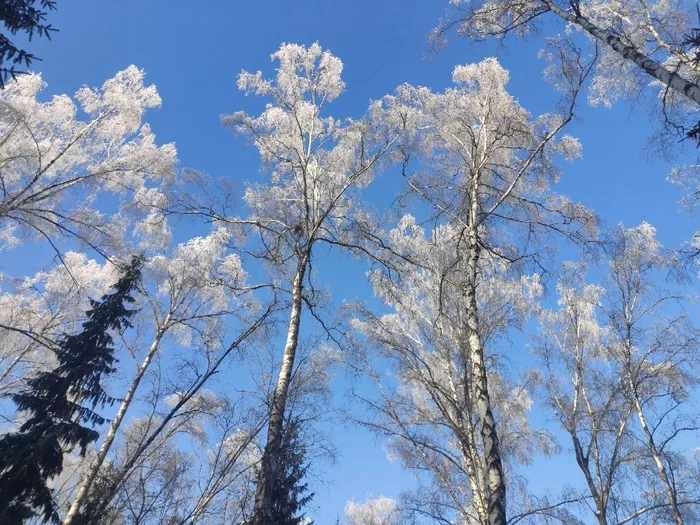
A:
21,16
54,403
289,494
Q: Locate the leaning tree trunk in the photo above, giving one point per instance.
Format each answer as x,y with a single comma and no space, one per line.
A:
654,451
649,66
269,469
96,464
108,494
496,487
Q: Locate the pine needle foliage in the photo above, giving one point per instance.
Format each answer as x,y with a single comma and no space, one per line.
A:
59,405
290,495
22,16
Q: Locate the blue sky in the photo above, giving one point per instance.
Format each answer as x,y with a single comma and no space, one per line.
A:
193,51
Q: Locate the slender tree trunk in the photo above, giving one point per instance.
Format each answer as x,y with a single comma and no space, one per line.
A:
653,449
496,492
470,455
218,481
115,484
583,463
114,427
648,65
269,464
600,497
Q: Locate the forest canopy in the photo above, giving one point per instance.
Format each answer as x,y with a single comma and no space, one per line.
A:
261,281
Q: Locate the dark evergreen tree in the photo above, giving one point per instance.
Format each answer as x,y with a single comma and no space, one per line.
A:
289,493
21,15
59,404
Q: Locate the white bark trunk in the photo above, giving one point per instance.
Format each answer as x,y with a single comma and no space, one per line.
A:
648,65
496,493
113,428
470,454
268,470
653,450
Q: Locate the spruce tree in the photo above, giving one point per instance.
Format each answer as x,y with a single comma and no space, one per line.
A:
289,493
60,403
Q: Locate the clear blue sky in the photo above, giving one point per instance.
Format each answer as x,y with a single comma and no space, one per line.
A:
193,51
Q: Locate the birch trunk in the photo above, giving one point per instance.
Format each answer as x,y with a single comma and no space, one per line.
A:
107,498
583,463
583,459
269,464
654,451
496,487
648,65
470,455
113,428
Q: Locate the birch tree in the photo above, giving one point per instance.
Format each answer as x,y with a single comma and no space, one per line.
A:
485,169
587,397
431,415
620,373
53,164
316,165
640,42
654,346
200,469
191,295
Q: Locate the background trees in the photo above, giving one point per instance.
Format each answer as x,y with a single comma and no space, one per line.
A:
618,377
379,511
55,403
460,267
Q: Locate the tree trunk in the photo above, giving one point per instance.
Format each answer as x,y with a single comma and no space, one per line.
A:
583,463
269,463
107,497
113,427
496,492
655,454
648,65
470,455
215,488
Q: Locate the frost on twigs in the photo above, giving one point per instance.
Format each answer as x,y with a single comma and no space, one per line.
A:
377,511
314,167
631,45
616,371
484,170
314,163
59,156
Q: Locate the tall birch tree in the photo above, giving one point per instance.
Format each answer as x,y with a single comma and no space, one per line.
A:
485,169
584,391
654,343
189,297
620,377
316,165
